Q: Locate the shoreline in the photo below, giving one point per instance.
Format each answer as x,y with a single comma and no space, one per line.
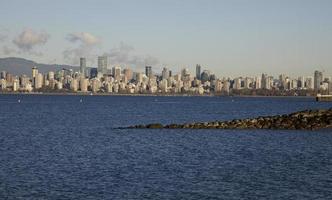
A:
149,95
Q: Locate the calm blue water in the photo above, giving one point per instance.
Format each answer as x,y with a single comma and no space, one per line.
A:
54,147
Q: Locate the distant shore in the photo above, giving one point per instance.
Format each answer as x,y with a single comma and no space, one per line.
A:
153,95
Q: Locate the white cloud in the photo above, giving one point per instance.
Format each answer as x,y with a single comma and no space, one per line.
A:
85,38
28,39
87,44
125,54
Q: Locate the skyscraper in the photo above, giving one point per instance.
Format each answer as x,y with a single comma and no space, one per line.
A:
165,73
102,64
198,72
34,76
148,71
318,79
83,66
128,73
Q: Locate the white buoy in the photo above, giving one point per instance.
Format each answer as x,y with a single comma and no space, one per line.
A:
19,101
81,100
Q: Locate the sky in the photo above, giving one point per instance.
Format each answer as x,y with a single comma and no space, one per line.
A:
228,37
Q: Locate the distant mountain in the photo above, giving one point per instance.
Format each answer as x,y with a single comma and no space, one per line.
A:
19,66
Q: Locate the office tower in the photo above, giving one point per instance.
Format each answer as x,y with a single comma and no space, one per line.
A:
318,79
198,72
301,82
128,73
266,81
117,73
9,79
74,85
139,78
148,71
16,85
3,75
102,65
34,72
38,81
93,73
165,73
84,82
170,73
237,83
34,75
205,76
83,66
3,84
309,83
50,75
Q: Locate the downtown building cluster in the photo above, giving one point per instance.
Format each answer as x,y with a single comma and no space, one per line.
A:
125,81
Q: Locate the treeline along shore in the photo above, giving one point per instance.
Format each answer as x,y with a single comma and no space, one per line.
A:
302,120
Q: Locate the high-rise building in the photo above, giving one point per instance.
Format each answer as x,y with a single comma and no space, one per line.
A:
198,72
148,71
83,66
38,81
34,72
50,75
102,64
93,73
165,73
128,73
3,75
205,76
318,79
117,73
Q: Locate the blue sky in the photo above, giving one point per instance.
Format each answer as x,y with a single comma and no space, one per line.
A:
231,38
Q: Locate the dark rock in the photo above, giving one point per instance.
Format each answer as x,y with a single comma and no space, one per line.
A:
154,126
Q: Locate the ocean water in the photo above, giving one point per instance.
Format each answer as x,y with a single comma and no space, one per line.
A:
56,147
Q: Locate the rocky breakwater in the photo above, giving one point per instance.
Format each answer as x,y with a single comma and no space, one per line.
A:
302,120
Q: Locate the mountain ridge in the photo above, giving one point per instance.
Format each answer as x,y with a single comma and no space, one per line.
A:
19,66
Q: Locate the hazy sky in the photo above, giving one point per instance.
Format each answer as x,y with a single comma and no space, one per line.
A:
231,38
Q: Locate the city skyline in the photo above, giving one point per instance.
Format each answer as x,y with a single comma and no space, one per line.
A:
117,80
230,38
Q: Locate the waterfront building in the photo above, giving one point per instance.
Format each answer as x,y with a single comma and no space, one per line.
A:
3,75
258,82
84,82
309,83
198,72
93,73
218,86
50,75
102,65
128,73
3,84
148,71
139,78
301,82
165,73
237,83
74,85
318,79
205,76
59,85
117,73
95,85
83,66
38,81
34,72
16,85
